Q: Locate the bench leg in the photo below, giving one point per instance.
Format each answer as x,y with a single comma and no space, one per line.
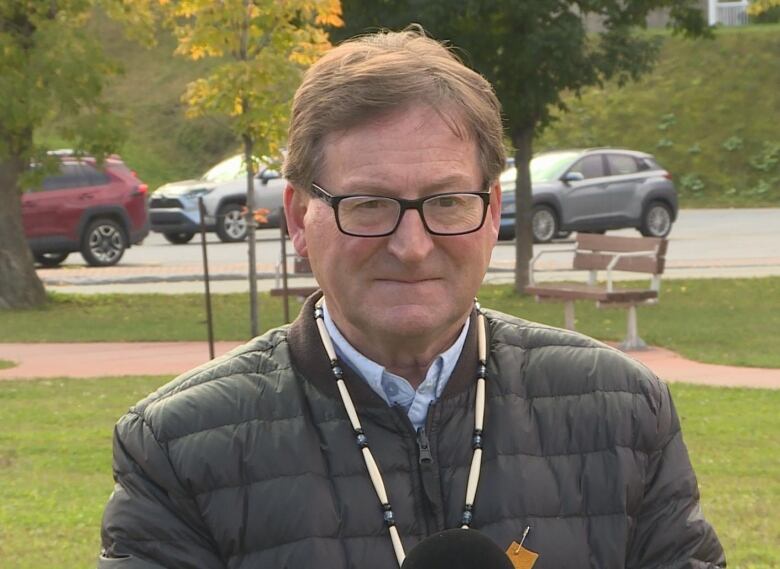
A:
632,341
568,315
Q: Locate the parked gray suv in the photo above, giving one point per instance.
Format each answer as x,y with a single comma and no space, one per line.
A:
593,190
173,208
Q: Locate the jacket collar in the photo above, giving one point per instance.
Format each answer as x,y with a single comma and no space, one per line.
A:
310,359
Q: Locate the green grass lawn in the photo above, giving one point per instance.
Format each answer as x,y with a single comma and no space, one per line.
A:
55,466
725,321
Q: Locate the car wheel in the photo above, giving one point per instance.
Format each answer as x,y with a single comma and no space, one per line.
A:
656,220
179,238
50,259
231,223
544,224
563,235
103,243
506,233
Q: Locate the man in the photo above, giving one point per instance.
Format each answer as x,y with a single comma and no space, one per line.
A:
370,423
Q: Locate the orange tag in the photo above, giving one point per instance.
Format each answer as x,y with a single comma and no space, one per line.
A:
521,557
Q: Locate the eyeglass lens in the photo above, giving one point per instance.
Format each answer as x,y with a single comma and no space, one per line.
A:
446,214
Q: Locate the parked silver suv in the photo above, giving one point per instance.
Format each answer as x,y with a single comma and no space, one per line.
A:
593,190
173,208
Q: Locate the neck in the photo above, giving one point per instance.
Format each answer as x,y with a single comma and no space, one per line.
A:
406,355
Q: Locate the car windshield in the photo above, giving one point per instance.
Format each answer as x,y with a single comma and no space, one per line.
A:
544,167
226,170
549,166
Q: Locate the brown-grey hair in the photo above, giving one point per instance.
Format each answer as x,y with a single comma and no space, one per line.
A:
371,75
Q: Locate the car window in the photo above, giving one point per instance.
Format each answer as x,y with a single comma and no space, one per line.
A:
621,164
648,163
71,175
589,167
94,176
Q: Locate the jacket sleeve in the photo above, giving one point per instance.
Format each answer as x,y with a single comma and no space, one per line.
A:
671,531
150,521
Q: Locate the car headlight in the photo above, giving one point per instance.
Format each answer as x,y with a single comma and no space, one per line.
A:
196,193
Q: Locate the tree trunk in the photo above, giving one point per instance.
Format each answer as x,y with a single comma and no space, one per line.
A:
20,286
522,138
250,221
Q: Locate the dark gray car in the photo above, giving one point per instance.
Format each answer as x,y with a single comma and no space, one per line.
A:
593,190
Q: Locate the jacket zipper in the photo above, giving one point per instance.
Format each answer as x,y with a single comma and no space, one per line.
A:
424,446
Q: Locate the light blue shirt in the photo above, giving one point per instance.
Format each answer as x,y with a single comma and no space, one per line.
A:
394,389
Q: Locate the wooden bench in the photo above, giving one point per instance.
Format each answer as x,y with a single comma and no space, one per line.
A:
595,253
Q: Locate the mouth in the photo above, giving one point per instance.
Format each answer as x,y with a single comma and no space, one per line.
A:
408,281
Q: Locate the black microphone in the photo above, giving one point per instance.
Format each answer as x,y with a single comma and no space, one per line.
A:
457,549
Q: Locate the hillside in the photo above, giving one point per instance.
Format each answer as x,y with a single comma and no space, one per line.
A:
710,112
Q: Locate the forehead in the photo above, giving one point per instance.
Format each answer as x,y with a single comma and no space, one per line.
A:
405,148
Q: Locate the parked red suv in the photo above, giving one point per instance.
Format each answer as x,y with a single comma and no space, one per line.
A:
99,211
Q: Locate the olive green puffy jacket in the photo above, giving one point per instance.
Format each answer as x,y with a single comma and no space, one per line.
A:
250,461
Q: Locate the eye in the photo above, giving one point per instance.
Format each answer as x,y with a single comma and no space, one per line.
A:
370,204
446,201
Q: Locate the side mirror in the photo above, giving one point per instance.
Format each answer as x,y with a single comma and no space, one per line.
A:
267,175
569,177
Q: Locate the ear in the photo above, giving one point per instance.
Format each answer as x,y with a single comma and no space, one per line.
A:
494,211
296,202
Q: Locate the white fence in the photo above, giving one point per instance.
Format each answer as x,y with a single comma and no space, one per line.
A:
728,13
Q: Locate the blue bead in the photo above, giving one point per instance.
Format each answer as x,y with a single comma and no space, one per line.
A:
338,372
476,442
389,518
362,440
467,517
318,312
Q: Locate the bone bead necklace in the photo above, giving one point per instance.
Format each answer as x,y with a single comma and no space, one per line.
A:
362,440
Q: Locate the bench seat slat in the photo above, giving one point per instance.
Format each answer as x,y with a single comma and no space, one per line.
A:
295,291
619,244
588,292
588,261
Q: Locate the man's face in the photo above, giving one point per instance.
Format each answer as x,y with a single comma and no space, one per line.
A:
411,284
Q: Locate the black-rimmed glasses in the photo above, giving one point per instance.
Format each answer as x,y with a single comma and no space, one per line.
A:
450,213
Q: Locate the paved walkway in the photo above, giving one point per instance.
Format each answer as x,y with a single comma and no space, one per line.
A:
171,358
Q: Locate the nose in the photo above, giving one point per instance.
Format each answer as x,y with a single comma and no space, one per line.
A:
411,242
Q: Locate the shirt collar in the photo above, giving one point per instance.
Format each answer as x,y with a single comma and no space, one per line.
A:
372,373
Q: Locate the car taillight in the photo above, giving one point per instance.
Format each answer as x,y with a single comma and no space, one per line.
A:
142,189
667,175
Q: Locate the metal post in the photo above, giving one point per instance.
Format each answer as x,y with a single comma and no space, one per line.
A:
632,341
209,319
285,291
568,315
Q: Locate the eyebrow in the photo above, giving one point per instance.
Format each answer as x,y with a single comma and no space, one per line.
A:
443,184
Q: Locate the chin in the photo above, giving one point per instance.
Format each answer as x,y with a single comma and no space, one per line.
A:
415,319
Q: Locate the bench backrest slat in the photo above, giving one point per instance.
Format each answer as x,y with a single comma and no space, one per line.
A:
595,252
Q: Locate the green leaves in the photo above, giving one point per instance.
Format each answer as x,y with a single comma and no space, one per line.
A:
51,71
263,48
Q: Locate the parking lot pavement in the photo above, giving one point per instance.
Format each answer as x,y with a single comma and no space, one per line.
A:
232,277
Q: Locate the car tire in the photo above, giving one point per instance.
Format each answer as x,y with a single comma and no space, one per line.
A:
179,238
544,224
231,223
506,233
563,234
103,243
50,259
656,220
